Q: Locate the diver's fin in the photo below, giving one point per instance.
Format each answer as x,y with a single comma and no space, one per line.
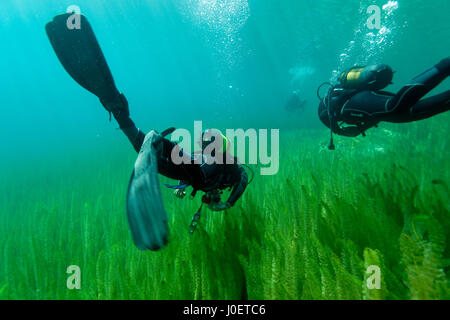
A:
145,209
81,55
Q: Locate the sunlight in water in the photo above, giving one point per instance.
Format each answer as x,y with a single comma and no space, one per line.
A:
227,16
368,44
223,19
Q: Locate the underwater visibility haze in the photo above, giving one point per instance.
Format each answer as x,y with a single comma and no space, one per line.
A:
313,230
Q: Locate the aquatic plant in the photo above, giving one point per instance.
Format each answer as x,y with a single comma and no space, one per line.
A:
309,232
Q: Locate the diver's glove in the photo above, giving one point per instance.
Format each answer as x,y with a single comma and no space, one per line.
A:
219,206
180,193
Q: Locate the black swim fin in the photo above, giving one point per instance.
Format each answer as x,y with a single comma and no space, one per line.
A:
147,217
80,54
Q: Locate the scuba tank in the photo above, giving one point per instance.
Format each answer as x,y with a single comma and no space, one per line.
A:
375,77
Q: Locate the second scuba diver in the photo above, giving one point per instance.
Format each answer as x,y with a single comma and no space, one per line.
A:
358,103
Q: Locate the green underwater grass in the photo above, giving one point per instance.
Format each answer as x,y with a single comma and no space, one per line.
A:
309,232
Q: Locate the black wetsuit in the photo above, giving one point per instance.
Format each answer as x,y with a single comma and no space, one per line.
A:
201,176
361,110
295,103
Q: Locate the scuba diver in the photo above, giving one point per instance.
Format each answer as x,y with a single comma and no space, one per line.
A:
80,54
195,171
358,103
295,103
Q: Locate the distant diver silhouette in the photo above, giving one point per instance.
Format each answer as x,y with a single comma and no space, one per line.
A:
295,103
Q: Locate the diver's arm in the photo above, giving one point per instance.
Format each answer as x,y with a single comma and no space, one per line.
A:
352,131
347,131
342,131
331,121
238,188
355,130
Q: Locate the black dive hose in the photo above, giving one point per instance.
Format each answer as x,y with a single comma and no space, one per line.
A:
251,170
197,215
326,100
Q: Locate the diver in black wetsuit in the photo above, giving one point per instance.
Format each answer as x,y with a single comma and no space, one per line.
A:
210,178
358,103
295,103
81,56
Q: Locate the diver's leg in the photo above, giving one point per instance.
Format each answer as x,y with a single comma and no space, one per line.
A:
119,108
133,134
410,94
188,170
432,106
366,107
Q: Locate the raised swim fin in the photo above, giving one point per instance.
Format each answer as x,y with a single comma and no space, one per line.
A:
80,54
145,209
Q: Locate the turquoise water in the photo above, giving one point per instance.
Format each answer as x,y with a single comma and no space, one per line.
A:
229,63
